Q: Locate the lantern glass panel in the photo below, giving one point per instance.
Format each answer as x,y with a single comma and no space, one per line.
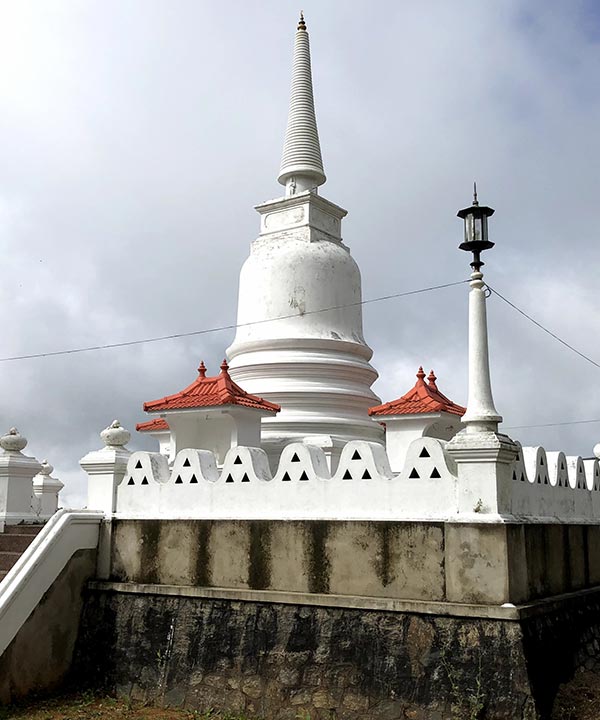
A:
477,228
468,228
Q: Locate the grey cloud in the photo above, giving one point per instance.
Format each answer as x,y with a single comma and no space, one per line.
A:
136,137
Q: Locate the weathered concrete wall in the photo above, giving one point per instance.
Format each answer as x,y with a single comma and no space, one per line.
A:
280,661
378,559
39,657
476,563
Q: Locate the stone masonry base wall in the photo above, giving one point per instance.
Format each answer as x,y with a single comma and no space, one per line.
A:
286,662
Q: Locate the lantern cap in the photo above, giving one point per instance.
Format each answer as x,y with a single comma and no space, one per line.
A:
476,209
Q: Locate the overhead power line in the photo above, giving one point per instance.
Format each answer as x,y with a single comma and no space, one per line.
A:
545,425
175,336
562,342
542,327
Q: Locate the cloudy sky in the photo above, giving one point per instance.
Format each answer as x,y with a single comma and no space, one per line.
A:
137,135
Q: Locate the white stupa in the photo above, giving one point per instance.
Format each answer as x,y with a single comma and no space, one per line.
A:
314,363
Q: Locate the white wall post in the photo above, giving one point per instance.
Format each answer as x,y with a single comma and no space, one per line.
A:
45,492
106,468
16,474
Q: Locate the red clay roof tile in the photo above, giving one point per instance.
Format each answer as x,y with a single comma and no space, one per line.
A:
154,425
421,399
210,392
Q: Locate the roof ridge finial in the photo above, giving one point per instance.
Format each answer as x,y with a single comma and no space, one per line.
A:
431,378
421,374
301,23
225,367
202,369
475,200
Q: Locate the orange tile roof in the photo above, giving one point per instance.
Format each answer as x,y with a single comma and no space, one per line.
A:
154,425
210,392
423,398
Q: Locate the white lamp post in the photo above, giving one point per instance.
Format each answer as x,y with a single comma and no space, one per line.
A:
483,456
481,414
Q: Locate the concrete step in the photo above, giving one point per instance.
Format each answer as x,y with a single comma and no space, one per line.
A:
22,529
8,559
15,543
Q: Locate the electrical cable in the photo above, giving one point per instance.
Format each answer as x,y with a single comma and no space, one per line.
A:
560,340
545,329
381,298
175,336
545,425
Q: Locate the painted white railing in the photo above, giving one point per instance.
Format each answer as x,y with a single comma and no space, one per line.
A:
362,487
38,567
542,485
552,484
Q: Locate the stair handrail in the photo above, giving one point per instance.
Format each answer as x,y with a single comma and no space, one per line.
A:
17,581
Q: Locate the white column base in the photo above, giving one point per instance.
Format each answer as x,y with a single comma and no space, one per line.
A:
483,461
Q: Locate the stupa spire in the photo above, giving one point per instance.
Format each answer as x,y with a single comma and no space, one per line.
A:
301,162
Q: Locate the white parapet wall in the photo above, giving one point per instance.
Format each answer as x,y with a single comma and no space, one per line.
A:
544,486
362,487
553,485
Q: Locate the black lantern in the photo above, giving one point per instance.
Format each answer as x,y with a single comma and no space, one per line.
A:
476,229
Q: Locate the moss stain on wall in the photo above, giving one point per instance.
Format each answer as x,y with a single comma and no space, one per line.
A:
316,536
202,568
149,545
259,571
383,563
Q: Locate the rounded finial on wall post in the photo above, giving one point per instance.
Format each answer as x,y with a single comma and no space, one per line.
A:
13,441
47,469
115,435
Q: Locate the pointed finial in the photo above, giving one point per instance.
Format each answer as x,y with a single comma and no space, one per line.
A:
224,366
475,201
421,374
301,166
202,369
431,378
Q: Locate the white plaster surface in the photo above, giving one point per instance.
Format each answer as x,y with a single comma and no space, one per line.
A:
106,467
301,163
312,359
45,492
401,430
362,487
16,481
493,480
481,414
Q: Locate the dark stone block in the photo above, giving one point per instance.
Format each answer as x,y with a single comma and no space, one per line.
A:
277,660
